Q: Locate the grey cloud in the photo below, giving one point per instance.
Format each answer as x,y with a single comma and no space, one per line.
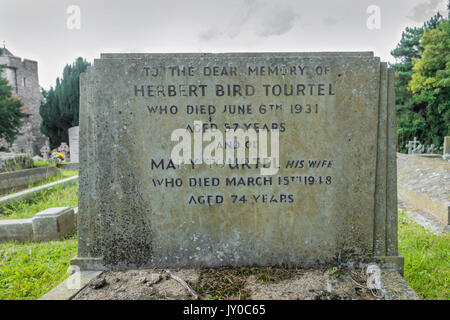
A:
239,22
210,34
277,21
263,18
425,10
240,18
330,21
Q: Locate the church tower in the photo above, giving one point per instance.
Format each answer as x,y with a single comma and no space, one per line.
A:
22,76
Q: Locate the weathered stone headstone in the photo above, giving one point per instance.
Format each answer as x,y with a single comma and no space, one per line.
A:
446,151
431,149
45,151
419,149
73,144
64,149
412,145
332,201
4,145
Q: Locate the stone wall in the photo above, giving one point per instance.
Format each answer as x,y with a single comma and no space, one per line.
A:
423,184
21,179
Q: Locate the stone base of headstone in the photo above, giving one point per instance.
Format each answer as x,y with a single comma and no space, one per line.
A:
90,264
253,284
392,263
71,286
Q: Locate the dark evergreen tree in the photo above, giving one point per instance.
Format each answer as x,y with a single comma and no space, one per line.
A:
60,109
410,114
11,117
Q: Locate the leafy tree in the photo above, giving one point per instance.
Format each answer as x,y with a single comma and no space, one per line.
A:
60,109
11,117
410,115
408,49
430,82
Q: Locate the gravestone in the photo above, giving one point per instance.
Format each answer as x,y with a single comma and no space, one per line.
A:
45,151
73,144
332,201
446,150
415,147
64,149
432,149
412,145
4,145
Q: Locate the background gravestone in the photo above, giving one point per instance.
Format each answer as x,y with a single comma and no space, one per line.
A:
446,149
333,201
73,144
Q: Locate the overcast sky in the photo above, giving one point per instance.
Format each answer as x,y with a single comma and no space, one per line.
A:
37,29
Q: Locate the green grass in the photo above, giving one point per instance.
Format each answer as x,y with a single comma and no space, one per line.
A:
56,196
427,259
29,270
40,164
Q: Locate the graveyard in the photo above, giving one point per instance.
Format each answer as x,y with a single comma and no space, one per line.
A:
102,260
229,175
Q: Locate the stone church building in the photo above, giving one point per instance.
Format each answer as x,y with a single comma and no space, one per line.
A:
23,78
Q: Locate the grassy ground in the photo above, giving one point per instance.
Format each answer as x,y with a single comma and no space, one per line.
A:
29,270
56,196
40,164
427,259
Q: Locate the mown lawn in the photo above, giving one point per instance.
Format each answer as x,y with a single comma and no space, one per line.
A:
29,270
427,259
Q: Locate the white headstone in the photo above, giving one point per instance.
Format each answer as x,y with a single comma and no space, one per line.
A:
73,143
446,151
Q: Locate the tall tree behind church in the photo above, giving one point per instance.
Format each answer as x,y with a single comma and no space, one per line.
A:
60,109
